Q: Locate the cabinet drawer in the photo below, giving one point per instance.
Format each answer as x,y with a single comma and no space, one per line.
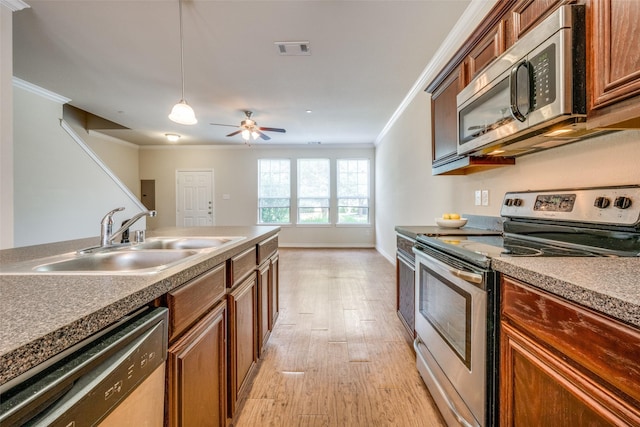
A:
241,265
266,248
191,300
603,346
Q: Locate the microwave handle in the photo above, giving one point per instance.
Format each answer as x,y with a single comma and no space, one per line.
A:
520,82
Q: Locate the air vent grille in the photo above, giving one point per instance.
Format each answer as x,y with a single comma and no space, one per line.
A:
293,48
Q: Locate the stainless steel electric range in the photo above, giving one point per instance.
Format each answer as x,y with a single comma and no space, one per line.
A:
457,297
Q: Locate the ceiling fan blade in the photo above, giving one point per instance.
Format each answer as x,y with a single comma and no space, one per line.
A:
235,133
263,136
220,124
273,130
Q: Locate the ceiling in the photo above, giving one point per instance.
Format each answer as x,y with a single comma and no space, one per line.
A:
120,60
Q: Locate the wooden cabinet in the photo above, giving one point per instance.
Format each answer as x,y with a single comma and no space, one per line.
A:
613,52
196,361
274,302
444,118
264,295
196,364
243,323
565,365
405,284
488,49
485,44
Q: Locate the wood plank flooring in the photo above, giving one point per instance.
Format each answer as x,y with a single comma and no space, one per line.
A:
337,355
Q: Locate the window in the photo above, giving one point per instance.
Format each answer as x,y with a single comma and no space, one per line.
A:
353,191
274,191
313,191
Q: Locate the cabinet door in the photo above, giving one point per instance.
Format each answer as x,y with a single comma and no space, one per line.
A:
563,365
539,389
264,292
242,337
197,374
405,278
488,49
274,299
444,121
526,14
615,57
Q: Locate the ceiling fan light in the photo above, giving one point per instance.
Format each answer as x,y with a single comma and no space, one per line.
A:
183,114
255,135
246,134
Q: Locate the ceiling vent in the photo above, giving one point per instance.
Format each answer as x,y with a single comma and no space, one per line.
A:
293,48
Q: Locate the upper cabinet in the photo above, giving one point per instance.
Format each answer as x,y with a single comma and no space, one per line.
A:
612,29
614,57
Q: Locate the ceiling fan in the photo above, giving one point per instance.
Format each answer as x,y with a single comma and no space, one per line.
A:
249,129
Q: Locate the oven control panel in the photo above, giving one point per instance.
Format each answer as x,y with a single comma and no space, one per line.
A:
605,205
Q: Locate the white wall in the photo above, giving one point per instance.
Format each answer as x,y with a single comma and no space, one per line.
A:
6,128
60,192
235,174
407,193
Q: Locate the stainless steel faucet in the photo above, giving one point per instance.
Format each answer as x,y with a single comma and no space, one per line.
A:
107,236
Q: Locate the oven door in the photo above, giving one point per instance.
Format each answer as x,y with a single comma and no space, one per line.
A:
451,328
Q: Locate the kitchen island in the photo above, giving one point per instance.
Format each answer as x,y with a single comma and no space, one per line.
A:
43,314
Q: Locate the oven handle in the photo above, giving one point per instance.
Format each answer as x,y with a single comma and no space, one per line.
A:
452,407
461,274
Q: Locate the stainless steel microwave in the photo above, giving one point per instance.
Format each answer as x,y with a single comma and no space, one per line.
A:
533,96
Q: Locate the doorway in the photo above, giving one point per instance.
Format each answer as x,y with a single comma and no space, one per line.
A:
194,198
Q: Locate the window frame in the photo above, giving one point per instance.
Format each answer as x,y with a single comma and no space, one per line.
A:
338,197
300,204
259,198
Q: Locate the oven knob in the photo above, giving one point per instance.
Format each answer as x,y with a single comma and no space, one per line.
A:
622,202
601,202
517,202
508,202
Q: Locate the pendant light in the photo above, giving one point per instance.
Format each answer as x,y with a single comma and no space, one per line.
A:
182,113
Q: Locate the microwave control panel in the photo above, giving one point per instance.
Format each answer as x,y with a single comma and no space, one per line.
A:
544,78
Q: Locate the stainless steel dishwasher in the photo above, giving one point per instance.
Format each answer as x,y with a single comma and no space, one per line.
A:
115,378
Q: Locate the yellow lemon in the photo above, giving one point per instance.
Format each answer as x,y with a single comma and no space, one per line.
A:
454,216
446,216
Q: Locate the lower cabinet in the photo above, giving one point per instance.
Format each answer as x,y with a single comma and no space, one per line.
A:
563,364
197,373
274,301
264,296
243,322
405,284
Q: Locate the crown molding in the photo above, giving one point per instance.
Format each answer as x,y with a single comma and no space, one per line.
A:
469,20
47,94
14,5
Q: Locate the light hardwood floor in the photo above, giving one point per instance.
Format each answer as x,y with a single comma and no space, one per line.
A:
337,355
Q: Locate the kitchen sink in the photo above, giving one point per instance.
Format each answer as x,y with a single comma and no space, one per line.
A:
199,243
118,261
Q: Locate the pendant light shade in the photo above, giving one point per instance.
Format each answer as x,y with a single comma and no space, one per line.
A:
182,112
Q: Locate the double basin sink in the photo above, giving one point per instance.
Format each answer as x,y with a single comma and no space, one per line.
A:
151,256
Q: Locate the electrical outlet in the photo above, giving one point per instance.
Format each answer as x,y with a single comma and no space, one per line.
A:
478,199
485,197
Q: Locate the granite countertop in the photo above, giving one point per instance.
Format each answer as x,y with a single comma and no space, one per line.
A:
43,314
608,285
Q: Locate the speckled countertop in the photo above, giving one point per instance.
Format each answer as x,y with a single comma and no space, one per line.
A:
42,314
607,285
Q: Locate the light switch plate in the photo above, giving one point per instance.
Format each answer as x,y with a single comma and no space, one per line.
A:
226,196
485,197
478,198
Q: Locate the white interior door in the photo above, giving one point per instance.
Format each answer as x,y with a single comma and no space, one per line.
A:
194,204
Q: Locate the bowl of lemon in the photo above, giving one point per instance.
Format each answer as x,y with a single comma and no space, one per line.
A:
451,220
